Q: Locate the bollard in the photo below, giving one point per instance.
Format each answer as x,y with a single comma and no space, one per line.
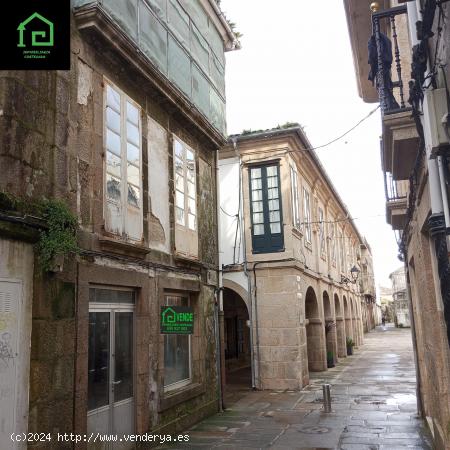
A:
326,398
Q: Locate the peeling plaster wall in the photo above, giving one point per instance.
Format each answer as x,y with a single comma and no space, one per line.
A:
158,187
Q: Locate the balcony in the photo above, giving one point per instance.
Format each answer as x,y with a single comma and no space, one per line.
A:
390,58
396,201
178,46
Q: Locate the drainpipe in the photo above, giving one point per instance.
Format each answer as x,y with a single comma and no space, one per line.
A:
244,251
218,307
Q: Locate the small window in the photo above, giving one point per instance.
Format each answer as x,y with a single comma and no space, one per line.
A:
123,184
185,201
294,199
333,243
307,215
185,186
322,243
265,209
342,251
177,351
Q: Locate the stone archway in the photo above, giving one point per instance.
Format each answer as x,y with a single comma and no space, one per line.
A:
315,333
237,352
340,327
348,319
330,328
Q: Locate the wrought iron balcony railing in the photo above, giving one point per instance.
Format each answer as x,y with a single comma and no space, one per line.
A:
388,45
395,190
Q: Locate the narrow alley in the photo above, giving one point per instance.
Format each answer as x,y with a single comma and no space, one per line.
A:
373,407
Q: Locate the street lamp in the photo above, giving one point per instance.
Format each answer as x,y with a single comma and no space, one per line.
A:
354,273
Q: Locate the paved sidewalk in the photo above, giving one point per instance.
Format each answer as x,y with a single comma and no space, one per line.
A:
374,407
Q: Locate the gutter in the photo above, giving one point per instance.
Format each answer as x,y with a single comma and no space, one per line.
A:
235,44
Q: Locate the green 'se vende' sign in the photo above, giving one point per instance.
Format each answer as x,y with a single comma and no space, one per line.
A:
177,320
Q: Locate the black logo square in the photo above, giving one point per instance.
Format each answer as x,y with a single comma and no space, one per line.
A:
35,35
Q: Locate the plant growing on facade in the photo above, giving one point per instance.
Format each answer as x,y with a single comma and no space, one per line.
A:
58,226
59,239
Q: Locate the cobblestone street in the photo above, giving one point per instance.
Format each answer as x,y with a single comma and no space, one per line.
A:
373,407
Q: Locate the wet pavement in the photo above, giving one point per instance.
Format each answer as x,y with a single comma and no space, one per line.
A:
373,407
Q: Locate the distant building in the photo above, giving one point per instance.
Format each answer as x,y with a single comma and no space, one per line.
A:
400,298
387,304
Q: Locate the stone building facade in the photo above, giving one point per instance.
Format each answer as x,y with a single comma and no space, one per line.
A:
415,161
127,140
288,245
400,298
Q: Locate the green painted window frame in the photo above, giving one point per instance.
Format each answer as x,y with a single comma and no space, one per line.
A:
267,242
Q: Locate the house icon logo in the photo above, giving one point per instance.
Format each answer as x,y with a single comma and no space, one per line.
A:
169,316
41,38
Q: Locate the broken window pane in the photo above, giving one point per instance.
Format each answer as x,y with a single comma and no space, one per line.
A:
113,164
113,188
133,196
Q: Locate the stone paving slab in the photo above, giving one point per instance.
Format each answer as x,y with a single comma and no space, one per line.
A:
374,407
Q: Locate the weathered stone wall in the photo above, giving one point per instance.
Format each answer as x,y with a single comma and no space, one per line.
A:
432,346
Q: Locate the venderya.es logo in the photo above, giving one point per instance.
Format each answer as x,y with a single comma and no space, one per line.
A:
36,35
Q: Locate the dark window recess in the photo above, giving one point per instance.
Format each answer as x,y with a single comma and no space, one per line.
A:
265,209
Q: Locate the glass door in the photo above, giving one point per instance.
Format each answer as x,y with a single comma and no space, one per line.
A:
111,365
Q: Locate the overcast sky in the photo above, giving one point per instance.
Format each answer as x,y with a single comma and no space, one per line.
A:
296,65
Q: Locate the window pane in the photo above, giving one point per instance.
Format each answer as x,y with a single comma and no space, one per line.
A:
113,141
112,98
133,154
274,205
255,173
176,350
256,183
123,357
272,182
275,228
179,166
258,218
132,133
111,296
132,113
275,216
113,120
256,195
179,199
189,156
178,149
113,164
257,206
179,213
258,230
179,182
176,358
113,188
98,360
191,174
272,193
191,205
133,196
192,222
191,189
272,171
133,174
